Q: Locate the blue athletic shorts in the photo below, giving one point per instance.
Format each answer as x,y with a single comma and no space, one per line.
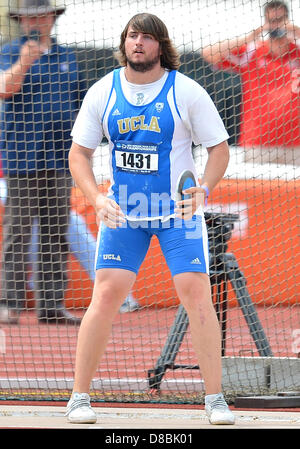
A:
184,244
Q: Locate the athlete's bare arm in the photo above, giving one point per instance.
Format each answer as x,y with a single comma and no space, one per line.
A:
106,209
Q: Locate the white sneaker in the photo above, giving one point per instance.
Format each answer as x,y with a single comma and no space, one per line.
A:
217,410
129,305
79,410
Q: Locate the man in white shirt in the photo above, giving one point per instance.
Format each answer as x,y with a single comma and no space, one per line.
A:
150,115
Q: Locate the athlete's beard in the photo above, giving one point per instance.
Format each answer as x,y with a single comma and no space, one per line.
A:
143,66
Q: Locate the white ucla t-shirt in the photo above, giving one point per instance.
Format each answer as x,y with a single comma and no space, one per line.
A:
150,130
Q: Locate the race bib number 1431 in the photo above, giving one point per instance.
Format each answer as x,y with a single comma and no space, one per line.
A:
136,157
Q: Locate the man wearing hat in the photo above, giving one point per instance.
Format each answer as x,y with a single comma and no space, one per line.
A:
41,90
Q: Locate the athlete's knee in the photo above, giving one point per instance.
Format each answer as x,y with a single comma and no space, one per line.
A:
110,290
192,289
103,295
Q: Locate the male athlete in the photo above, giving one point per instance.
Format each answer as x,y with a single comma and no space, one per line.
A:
150,114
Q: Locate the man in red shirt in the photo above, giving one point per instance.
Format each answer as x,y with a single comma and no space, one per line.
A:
270,72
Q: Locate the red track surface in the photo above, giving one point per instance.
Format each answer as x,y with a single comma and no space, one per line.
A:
35,350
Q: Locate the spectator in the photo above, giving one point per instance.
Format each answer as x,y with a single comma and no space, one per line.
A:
270,74
41,91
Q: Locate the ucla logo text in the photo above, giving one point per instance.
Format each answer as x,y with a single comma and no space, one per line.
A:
135,123
112,257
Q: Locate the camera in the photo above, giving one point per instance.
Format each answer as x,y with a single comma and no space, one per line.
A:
34,35
277,33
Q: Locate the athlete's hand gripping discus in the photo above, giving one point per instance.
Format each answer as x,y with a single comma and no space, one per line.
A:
185,181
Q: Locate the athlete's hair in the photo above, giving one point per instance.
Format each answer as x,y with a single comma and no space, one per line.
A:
151,24
276,4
